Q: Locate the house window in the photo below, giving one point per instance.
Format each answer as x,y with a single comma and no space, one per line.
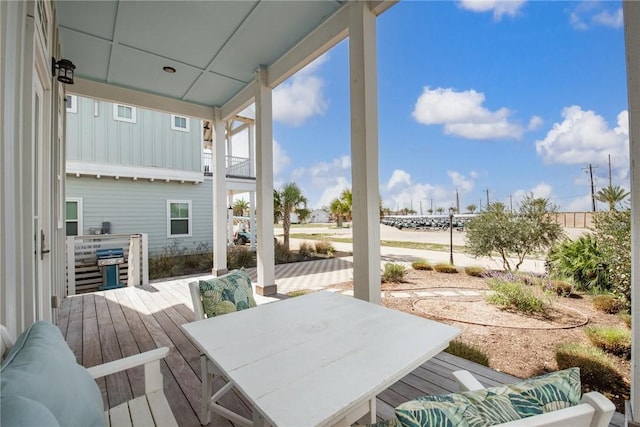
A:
178,218
124,113
180,123
72,104
73,216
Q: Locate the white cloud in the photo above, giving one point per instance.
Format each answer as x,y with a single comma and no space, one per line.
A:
585,137
301,96
465,185
400,192
463,114
324,181
535,123
541,190
280,158
499,8
589,14
579,204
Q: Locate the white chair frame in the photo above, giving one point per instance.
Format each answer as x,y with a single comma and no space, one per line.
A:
209,371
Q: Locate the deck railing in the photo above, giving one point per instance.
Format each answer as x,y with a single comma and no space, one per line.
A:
235,166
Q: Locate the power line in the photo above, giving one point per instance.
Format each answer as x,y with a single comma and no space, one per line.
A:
593,189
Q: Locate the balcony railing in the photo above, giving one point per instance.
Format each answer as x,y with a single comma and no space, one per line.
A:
235,166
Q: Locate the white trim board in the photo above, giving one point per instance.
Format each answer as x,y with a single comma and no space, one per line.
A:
135,172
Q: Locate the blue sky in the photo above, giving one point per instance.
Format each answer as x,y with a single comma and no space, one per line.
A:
509,96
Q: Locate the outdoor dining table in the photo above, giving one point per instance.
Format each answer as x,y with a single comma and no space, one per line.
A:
318,359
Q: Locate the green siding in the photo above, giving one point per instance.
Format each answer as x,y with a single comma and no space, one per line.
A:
150,142
141,207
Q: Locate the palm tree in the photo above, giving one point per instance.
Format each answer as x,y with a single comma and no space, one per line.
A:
292,200
612,195
277,207
341,207
440,210
471,208
240,207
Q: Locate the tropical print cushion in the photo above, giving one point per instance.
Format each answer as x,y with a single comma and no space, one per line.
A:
226,294
496,405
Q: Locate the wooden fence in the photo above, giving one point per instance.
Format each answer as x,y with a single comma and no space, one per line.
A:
83,273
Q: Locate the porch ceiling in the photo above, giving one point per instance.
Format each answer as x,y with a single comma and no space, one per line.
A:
215,46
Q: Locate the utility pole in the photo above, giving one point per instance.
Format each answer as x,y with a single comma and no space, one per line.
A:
457,201
487,190
511,203
610,185
480,210
593,189
420,207
431,205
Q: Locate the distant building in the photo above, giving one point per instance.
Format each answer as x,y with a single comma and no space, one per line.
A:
319,216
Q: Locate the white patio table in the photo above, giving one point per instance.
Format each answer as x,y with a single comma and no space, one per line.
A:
319,359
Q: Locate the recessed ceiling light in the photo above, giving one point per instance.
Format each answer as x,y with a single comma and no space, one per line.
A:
169,70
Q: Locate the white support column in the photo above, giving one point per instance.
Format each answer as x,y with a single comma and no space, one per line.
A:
219,197
364,152
632,44
264,185
252,149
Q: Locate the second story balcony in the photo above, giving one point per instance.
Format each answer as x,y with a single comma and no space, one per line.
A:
238,167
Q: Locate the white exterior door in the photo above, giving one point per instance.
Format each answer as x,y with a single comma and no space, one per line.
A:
42,186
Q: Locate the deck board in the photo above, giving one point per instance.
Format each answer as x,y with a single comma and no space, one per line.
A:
107,325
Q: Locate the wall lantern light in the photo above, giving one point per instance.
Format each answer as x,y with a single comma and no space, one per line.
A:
65,70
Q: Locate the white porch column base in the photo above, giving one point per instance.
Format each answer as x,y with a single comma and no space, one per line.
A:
364,152
264,186
219,198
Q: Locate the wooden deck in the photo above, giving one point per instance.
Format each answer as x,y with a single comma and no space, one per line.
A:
104,326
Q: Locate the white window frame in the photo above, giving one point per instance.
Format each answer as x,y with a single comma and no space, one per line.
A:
119,118
80,221
73,108
189,218
173,123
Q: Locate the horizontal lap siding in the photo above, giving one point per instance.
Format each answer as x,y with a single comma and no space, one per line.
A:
141,207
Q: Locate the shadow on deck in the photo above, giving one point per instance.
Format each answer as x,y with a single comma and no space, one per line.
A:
104,326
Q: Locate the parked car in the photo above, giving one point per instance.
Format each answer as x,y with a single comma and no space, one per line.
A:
241,237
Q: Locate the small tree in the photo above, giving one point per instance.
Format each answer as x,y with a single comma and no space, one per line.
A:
292,200
341,207
612,196
471,208
613,233
440,210
277,207
516,234
240,207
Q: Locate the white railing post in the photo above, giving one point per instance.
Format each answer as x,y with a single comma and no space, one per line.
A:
144,249
133,269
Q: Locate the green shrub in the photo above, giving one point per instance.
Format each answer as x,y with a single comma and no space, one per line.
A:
177,260
531,280
607,303
626,318
582,261
475,271
612,340
305,249
324,247
515,296
613,231
393,272
559,287
596,368
298,293
240,256
282,253
421,265
445,268
468,351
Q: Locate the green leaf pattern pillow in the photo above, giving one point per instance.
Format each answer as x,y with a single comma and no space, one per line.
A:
496,405
226,294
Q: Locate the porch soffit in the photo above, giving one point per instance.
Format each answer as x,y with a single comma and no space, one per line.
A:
215,46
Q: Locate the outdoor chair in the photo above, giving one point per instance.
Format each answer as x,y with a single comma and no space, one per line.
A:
550,400
215,297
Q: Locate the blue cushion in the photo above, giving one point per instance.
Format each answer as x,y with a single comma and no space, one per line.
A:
18,411
226,294
41,367
496,405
